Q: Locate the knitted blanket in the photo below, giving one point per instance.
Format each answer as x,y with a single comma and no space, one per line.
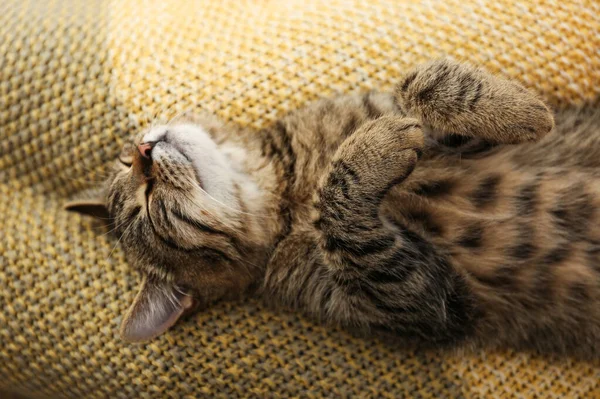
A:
78,77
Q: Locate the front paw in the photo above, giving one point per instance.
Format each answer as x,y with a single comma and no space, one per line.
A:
382,152
452,97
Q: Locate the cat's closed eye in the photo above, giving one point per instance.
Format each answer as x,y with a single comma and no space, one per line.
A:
127,161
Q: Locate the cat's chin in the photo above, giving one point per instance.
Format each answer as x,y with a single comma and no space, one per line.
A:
190,143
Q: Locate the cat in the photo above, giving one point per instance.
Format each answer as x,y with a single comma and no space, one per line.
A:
452,211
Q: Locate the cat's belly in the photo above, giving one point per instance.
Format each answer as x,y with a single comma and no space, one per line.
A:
522,238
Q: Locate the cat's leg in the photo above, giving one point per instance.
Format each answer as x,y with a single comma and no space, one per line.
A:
383,276
457,98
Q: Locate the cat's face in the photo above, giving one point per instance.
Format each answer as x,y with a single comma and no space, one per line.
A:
178,206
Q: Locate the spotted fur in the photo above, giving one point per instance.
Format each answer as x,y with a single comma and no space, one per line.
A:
408,213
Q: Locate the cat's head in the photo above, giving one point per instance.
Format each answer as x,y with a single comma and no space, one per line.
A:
182,209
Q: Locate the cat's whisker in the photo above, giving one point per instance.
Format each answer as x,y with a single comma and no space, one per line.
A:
258,215
177,115
160,113
197,186
178,289
120,238
247,262
116,226
204,208
170,295
247,237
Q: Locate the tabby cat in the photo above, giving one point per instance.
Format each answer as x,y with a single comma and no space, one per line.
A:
408,213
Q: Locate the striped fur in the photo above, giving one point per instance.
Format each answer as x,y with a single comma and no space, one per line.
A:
408,214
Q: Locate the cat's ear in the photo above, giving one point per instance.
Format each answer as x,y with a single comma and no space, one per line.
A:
156,307
89,202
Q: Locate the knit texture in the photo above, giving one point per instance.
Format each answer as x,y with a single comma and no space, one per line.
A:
78,77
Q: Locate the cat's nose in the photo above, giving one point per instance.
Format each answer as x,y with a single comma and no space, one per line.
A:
146,149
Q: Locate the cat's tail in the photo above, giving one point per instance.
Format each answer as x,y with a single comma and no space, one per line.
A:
459,98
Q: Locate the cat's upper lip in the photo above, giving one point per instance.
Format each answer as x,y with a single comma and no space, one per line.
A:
181,149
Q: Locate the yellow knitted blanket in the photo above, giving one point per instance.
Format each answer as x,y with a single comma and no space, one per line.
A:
77,77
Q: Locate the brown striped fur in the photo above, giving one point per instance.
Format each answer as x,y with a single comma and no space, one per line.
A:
452,211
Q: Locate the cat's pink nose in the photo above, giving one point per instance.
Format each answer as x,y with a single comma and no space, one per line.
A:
145,149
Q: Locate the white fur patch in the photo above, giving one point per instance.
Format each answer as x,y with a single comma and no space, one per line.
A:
220,170
211,165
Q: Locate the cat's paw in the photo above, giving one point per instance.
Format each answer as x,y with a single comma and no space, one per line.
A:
382,152
458,98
